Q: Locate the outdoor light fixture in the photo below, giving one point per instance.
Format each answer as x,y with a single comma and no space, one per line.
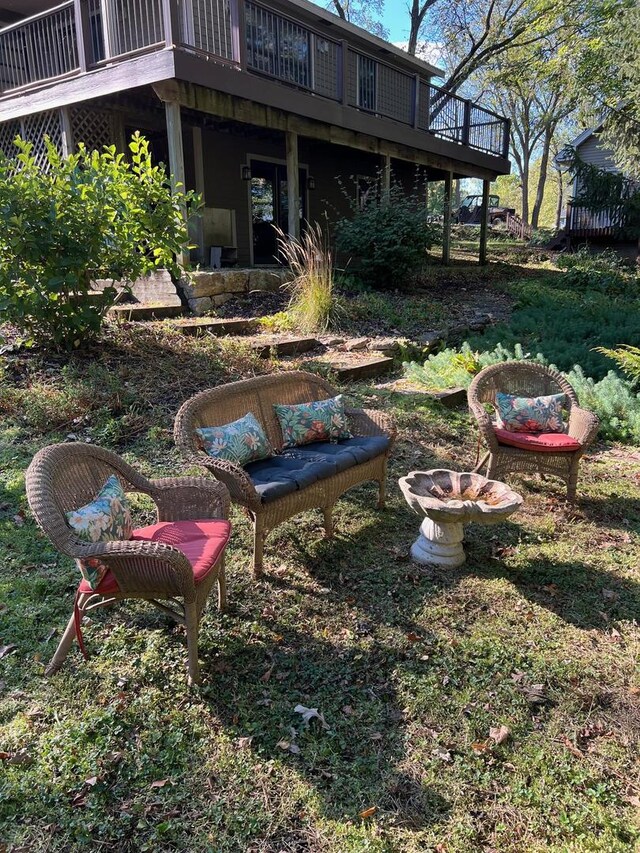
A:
245,173
311,183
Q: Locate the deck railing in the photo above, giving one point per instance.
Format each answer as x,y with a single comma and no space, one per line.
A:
82,34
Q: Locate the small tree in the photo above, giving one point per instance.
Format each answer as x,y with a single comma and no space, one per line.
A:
88,216
387,239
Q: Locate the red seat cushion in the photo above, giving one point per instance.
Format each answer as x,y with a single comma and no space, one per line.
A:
541,442
202,543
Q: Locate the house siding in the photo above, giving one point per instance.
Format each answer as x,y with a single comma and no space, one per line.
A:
593,152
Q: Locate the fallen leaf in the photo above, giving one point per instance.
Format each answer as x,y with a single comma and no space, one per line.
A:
283,744
442,754
91,781
368,812
309,714
266,676
634,691
294,748
244,742
551,588
348,710
159,783
499,734
413,637
480,746
634,801
571,747
6,650
376,736
534,694
18,520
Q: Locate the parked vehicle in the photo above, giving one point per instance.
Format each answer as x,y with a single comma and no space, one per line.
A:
469,211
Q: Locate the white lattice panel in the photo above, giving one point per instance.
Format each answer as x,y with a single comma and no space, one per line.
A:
36,127
93,127
8,132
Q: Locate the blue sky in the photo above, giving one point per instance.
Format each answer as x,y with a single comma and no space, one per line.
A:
395,19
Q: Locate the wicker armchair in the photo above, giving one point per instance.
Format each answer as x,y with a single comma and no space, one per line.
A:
228,402
63,477
529,379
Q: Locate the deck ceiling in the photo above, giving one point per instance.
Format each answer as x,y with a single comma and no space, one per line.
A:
24,8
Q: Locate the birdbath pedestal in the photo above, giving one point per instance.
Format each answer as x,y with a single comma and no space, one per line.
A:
448,500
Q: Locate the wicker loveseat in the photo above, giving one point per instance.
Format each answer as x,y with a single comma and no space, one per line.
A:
530,379
296,479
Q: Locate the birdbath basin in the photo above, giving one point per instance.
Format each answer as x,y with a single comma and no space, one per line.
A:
448,500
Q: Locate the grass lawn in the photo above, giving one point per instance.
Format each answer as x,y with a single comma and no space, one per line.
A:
410,668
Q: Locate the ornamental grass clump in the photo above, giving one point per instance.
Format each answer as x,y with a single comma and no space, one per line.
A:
312,303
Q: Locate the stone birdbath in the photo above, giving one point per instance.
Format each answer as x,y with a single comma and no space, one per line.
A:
448,500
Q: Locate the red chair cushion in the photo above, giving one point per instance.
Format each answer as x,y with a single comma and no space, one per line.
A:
202,543
541,442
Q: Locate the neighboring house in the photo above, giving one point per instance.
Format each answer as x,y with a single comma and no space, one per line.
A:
579,222
251,103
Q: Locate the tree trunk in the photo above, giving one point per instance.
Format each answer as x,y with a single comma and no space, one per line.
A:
542,180
524,180
559,206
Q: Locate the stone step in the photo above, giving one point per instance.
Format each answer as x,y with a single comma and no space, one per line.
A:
138,311
204,325
355,370
266,346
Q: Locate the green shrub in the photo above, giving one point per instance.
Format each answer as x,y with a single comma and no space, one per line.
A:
566,325
309,258
386,239
606,272
627,358
84,217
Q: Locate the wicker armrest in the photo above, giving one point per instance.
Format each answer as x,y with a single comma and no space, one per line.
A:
185,498
371,422
485,424
583,425
142,566
234,477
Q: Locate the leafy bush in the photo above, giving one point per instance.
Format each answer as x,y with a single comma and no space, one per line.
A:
386,239
606,272
85,217
309,258
612,398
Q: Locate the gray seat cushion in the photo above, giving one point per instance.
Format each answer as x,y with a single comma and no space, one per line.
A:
299,467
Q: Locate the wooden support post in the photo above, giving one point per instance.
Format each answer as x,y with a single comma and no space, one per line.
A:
484,222
446,221
466,125
198,160
83,34
293,184
68,142
119,136
238,32
386,177
176,159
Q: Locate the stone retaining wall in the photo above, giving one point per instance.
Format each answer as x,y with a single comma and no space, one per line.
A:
207,289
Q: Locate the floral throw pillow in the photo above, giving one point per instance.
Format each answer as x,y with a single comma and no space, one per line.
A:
239,442
105,519
315,421
530,414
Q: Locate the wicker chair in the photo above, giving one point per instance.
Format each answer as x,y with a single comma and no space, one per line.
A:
228,402
63,477
529,379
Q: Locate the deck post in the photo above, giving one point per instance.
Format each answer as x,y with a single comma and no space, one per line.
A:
386,177
83,34
343,73
66,127
446,219
293,184
415,107
171,22
484,222
176,159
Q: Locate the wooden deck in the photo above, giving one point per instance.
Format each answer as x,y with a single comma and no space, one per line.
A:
295,45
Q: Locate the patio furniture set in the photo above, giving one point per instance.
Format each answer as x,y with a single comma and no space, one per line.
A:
278,445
